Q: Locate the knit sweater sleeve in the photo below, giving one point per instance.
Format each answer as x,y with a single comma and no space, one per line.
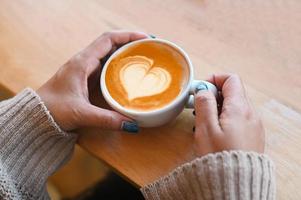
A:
224,175
32,147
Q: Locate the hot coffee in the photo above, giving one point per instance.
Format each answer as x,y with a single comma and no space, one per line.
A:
146,76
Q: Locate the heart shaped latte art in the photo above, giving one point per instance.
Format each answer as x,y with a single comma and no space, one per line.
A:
141,79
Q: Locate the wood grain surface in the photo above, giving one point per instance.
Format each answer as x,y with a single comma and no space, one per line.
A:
259,40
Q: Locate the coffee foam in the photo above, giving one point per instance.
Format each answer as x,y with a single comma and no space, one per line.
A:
146,76
141,79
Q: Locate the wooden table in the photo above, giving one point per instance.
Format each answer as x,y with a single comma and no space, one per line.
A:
259,40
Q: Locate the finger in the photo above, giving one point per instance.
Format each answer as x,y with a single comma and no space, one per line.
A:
206,110
107,119
230,84
107,42
232,89
104,44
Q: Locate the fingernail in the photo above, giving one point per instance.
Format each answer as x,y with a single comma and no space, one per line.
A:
201,86
193,112
152,36
131,127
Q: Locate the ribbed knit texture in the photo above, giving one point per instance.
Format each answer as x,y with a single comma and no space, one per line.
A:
32,147
226,175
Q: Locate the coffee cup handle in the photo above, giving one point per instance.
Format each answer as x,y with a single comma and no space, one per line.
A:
195,83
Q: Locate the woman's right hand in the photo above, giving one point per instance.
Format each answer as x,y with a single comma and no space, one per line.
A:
237,127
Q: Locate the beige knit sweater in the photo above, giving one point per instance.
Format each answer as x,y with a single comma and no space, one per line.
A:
32,147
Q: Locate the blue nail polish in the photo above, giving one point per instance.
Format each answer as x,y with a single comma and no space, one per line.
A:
152,36
201,86
131,127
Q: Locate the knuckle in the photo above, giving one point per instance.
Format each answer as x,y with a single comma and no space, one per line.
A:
78,63
81,60
107,34
75,59
236,76
105,38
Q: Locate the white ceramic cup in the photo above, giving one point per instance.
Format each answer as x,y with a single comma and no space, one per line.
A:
170,111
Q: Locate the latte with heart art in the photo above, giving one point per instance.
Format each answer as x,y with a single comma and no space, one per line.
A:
146,76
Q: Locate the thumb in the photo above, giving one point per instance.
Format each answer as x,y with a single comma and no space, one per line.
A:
206,109
107,119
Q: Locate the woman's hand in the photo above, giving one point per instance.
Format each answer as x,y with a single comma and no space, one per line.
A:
66,94
236,128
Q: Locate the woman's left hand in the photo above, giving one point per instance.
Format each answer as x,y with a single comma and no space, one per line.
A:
66,94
